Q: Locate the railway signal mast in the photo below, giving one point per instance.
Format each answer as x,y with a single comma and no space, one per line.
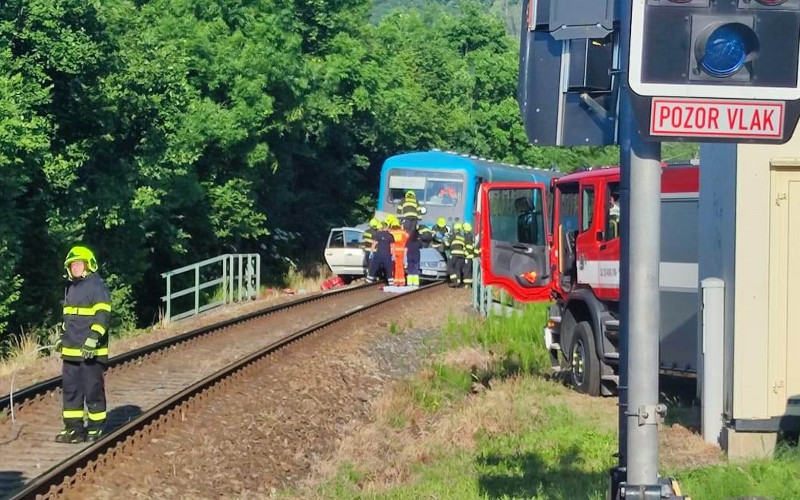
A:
634,73
707,70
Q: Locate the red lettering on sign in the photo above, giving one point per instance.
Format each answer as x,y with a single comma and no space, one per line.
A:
768,119
755,122
713,115
676,117
665,112
716,118
688,122
732,114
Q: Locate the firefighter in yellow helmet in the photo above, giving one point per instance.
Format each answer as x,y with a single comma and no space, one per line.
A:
458,253
469,254
409,211
368,238
84,348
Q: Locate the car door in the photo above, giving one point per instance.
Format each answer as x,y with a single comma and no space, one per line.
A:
353,255
335,251
513,239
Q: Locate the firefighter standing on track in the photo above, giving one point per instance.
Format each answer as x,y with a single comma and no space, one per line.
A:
84,348
455,264
381,255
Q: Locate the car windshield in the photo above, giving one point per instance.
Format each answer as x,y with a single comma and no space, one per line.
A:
430,187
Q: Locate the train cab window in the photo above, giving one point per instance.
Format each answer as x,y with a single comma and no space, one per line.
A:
430,187
587,207
612,211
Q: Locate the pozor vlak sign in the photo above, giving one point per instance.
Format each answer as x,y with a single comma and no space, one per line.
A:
677,117
723,70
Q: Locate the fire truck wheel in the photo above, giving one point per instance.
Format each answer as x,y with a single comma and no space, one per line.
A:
583,363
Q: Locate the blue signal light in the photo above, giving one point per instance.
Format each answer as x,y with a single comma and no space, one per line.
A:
725,52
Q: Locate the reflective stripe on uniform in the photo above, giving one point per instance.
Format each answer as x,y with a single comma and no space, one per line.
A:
99,329
72,351
87,311
72,413
96,417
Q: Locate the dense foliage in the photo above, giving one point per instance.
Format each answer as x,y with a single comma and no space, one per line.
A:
164,132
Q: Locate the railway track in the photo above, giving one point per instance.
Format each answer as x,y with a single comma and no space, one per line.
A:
143,385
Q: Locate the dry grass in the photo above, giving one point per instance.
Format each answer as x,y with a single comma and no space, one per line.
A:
310,280
402,434
470,359
24,351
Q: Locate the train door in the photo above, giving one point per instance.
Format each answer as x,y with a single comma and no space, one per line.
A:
513,239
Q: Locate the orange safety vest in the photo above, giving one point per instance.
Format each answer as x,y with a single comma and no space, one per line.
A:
399,252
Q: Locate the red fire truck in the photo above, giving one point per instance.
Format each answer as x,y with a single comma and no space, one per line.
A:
561,243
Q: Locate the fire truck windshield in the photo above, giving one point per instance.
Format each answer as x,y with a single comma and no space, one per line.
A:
517,215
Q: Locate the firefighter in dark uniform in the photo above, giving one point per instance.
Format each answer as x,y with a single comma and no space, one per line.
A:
413,257
469,254
441,234
455,264
84,348
425,235
382,255
367,240
409,212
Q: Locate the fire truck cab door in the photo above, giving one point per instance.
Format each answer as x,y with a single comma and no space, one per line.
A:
514,239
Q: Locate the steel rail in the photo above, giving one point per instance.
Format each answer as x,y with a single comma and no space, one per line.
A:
31,393
55,481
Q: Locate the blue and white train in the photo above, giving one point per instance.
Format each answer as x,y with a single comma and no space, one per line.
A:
446,183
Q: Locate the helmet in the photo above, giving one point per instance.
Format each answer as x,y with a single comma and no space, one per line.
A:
457,226
410,194
441,222
467,227
374,223
77,253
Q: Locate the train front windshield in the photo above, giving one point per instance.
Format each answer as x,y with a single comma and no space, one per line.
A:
442,193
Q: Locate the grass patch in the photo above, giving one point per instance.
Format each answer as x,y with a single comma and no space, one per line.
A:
776,479
440,386
517,441
25,349
436,436
515,341
309,280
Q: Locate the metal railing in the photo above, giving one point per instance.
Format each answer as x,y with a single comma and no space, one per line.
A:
238,278
483,296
